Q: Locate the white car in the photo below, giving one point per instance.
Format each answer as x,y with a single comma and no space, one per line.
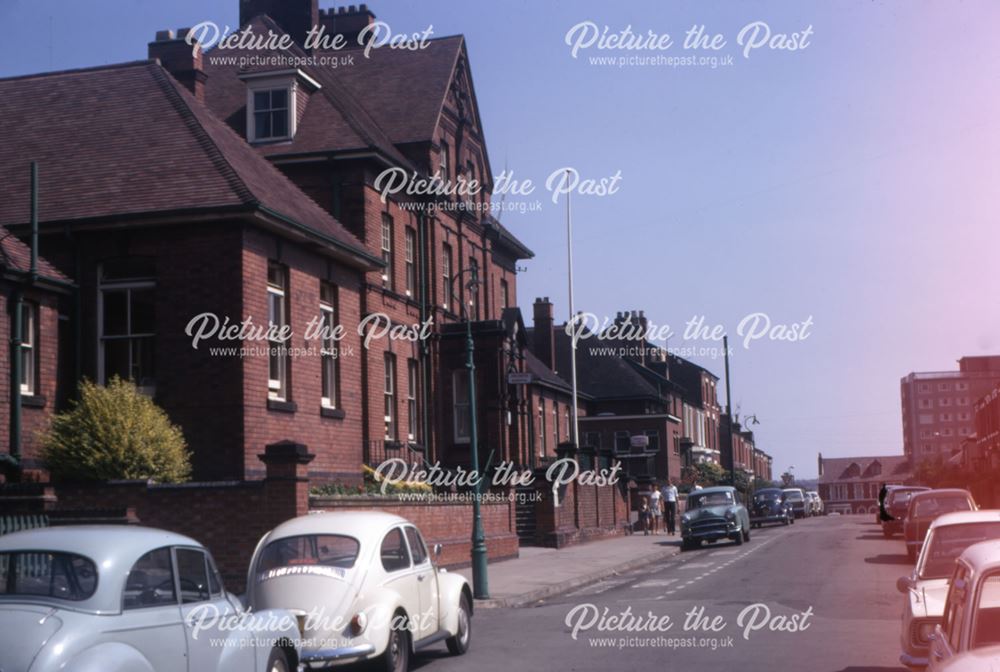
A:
926,587
967,639
363,586
116,598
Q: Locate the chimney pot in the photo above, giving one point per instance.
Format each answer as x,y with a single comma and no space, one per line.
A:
162,35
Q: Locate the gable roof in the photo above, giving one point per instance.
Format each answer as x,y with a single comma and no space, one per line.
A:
894,469
600,375
139,143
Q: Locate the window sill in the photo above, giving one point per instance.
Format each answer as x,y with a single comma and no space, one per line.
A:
334,413
282,406
32,400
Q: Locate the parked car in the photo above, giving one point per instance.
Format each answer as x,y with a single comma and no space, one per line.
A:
968,637
712,514
924,507
115,598
797,498
926,587
770,506
896,502
815,503
365,587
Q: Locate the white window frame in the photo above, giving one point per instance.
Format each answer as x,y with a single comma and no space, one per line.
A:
412,397
126,285
410,256
388,229
277,388
29,352
447,277
290,80
330,374
390,411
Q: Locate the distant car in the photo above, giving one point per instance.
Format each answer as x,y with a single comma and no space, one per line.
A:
926,587
967,639
712,514
896,502
924,507
815,503
115,598
365,586
770,506
797,499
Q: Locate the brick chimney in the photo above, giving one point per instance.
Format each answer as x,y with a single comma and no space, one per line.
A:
296,17
180,59
543,340
347,21
633,325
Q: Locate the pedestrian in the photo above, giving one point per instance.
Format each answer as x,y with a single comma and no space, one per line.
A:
670,507
644,515
655,508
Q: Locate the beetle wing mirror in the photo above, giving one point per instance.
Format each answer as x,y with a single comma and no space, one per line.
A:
438,549
904,583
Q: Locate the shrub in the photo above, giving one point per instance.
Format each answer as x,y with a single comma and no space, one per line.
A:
112,433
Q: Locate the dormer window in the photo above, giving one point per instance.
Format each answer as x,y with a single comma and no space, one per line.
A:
275,102
270,114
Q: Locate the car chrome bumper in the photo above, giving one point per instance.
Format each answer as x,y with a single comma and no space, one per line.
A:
913,661
711,534
321,657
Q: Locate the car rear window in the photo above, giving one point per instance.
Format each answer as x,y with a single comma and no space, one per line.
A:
936,506
947,543
315,550
63,576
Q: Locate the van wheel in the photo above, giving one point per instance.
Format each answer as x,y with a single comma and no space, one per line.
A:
459,644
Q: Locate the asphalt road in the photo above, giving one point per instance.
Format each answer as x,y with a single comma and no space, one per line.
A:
826,585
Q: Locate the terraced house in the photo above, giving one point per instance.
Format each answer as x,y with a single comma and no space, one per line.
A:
196,191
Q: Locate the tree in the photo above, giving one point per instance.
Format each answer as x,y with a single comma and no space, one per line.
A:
704,474
115,432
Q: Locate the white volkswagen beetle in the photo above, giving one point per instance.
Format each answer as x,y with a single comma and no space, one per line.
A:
363,586
115,598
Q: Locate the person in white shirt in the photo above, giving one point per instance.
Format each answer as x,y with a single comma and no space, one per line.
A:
655,508
670,507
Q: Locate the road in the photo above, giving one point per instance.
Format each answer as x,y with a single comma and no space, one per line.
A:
834,577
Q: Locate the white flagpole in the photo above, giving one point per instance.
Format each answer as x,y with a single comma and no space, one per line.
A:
572,317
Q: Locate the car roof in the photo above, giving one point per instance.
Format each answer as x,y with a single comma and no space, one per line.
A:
983,556
790,489
941,492
964,517
358,524
714,489
113,548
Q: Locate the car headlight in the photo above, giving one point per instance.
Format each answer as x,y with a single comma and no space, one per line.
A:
730,514
686,518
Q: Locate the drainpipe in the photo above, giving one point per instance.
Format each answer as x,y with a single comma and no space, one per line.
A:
15,378
425,367
34,222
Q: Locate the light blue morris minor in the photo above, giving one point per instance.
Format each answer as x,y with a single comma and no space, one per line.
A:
128,599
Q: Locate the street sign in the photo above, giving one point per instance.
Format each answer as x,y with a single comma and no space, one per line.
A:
517,378
639,441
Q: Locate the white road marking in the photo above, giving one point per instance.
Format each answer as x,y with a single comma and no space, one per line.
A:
654,583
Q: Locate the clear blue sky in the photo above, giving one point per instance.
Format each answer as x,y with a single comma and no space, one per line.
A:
852,181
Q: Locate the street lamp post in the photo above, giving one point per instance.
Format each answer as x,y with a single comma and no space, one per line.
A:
480,581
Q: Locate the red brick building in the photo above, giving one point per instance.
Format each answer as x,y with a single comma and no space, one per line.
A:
852,484
31,296
198,191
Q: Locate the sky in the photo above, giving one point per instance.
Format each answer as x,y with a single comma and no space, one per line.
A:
848,185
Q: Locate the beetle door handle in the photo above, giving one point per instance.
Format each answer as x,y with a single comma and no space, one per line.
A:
421,577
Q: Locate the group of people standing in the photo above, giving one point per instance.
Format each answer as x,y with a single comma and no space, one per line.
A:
659,504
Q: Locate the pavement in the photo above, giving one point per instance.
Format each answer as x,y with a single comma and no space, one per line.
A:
540,573
820,595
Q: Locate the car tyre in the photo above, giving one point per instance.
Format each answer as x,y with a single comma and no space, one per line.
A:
746,534
459,644
277,661
396,657
690,544
738,538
